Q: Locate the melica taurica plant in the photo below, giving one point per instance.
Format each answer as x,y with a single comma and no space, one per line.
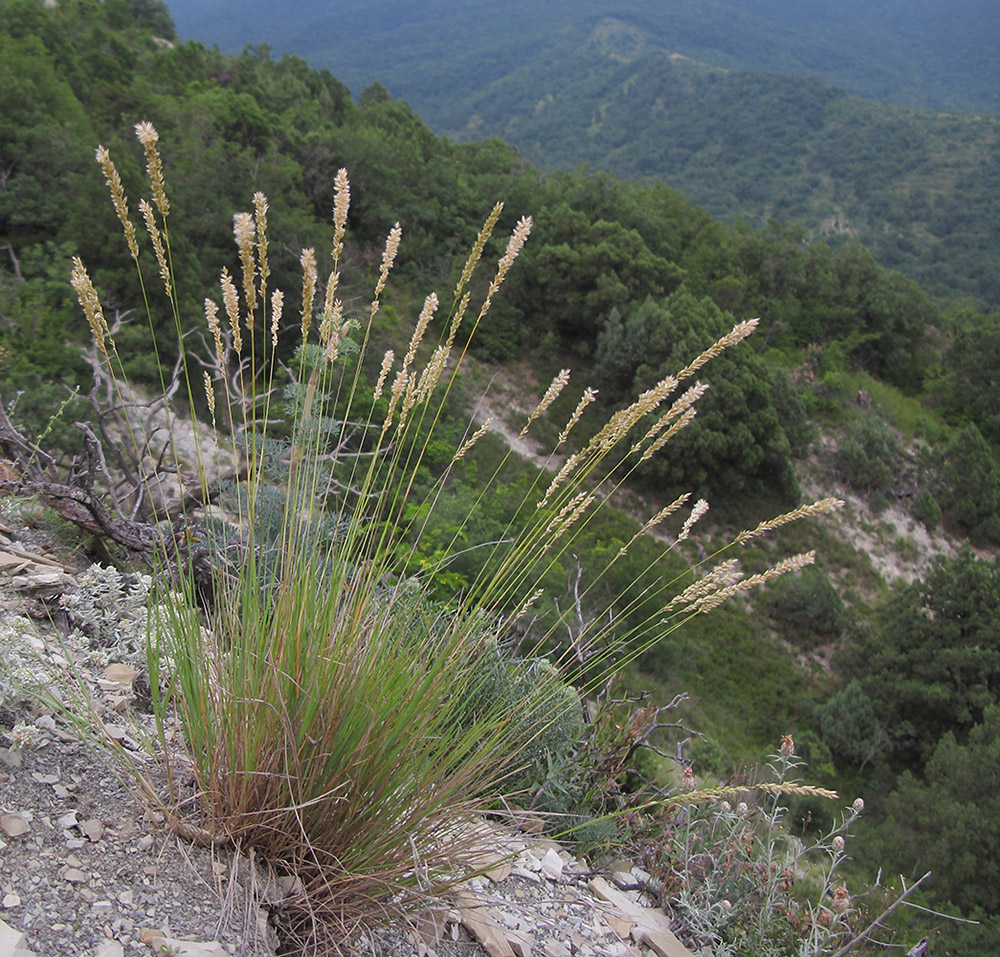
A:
336,716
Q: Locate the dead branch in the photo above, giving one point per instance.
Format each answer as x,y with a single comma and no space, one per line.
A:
870,929
14,261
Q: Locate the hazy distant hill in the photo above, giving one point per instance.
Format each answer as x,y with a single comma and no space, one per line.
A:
570,86
938,54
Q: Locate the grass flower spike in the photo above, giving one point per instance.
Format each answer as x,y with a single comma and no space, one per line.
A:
147,136
118,199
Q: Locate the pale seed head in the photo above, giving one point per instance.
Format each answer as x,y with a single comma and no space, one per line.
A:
90,302
426,314
230,299
149,218
212,318
551,394
244,230
472,440
388,257
341,204
387,361
700,508
209,395
277,305
477,248
260,221
147,136
119,199
310,279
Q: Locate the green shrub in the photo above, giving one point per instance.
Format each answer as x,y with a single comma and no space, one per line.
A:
849,725
971,480
926,510
867,456
809,606
879,503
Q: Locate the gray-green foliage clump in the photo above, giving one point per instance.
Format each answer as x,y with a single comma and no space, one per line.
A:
547,712
20,675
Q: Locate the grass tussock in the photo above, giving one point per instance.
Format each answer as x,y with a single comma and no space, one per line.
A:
338,715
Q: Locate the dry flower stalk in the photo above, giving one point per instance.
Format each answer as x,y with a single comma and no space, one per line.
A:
681,423
706,795
245,232
212,318
260,221
722,576
91,304
456,320
277,307
622,421
567,468
331,307
567,516
118,199
426,314
149,218
310,279
589,395
477,248
738,333
334,331
526,607
700,508
551,394
431,375
397,390
793,564
387,361
514,245
681,405
341,204
209,395
230,299
147,135
659,517
472,440
822,507
388,258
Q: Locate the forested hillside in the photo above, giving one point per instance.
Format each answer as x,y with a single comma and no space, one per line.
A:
625,90
919,189
892,692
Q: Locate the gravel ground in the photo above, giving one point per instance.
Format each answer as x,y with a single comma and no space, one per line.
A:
84,869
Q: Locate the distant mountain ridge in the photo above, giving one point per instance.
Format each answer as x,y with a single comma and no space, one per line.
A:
935,54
